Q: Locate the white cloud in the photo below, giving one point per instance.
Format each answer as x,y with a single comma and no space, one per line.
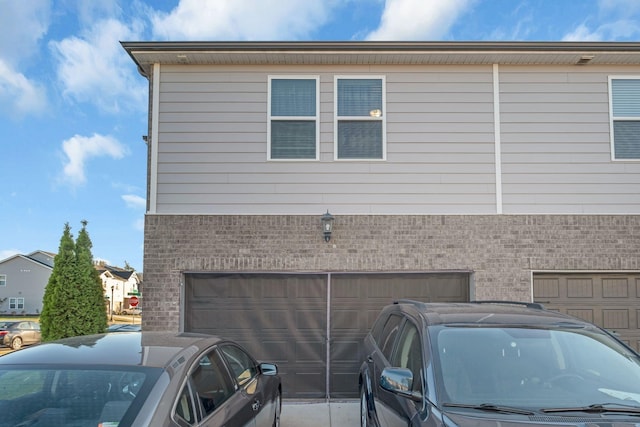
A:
242,19
138,203
22,25
582,33
613,20
79,149
134,202
618,30
94,68
18,94
418,19
139,225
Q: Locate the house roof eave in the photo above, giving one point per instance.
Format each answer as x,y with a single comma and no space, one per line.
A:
145,54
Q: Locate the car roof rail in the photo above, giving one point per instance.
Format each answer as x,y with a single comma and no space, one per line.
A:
410,301
535,305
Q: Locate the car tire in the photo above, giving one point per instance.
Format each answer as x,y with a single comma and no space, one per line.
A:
16,343
278,411
364,410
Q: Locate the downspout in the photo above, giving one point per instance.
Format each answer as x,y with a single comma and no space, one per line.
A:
497,137
153,139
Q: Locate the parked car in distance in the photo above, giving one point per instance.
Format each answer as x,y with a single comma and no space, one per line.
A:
138,379
124,327
15,334
490,364
132,310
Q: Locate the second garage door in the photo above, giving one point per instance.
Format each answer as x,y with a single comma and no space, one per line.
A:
311,325
611,301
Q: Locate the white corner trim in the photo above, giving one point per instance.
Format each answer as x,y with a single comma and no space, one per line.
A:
155,117
497,137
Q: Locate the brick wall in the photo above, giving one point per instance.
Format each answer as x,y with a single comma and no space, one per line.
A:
500,250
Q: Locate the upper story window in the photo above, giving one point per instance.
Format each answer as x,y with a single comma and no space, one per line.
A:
16,303
360,118
3,280
293,132
624,94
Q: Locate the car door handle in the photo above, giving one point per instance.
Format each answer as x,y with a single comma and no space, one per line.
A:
256,405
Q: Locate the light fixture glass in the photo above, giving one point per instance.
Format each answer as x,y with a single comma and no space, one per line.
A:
327,225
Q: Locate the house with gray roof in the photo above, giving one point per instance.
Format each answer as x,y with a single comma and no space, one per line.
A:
23,279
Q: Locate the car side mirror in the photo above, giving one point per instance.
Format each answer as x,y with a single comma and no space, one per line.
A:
399,381
268,369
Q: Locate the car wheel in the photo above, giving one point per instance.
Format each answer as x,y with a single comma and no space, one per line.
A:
364,410
16,343
278,411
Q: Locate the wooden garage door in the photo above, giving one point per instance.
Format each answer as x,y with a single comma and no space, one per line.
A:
300,321
611,301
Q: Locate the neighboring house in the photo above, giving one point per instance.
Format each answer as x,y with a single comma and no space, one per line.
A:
454,172
23,279
119,286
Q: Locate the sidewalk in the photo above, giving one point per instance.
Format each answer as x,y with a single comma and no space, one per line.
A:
320,414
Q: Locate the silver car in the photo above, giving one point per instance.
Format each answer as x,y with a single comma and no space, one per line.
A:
17,334
138,379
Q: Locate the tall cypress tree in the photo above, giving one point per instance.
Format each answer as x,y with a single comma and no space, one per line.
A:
93,317
73,302
54,319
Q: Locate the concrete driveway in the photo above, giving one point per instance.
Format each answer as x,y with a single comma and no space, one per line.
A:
320,414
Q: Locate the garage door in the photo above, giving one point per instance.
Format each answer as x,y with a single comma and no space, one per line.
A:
611,301
311,325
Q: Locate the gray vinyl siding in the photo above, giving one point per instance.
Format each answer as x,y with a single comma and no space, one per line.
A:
555,145
212,156
25,279
556,148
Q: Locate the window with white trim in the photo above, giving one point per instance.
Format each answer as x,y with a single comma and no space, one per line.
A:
293,130
16,303
3,280
624,95
360,124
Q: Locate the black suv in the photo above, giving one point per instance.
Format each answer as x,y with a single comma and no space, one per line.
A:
492,363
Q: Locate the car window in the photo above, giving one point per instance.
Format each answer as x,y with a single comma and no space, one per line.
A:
408,354
389,334
241,364
185,409
376,329
32,395
211,383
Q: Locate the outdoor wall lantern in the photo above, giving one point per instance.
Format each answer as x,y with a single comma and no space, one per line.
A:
327,225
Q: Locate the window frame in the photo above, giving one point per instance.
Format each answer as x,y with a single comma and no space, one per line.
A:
236,377
389,335
315,118
613,119
3,280
16,303
397,354
337,118
191,386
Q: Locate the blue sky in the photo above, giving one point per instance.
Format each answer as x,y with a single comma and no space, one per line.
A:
73,108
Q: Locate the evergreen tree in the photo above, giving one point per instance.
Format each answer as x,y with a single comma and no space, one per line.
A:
54,319
73,301
92,318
